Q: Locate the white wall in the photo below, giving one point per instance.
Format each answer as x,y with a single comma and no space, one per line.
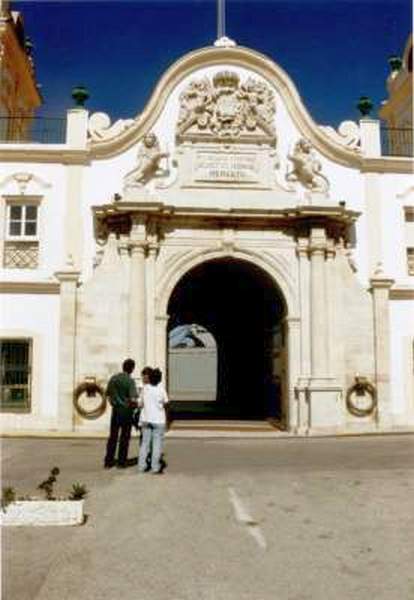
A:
35,316
402,366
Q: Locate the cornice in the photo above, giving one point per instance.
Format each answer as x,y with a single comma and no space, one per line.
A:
387,164
402,293
29,287
234,56
56,153
158,210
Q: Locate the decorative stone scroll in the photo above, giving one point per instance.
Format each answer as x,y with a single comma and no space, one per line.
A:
100,128
348,134
307,168
224,109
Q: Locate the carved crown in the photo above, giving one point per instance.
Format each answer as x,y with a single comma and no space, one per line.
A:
226,79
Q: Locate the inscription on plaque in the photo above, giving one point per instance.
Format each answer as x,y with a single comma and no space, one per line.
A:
242,168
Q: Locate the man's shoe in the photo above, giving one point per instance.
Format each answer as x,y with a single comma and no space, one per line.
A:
109,465
121,466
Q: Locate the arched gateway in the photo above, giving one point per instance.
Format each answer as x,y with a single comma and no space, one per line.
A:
240,305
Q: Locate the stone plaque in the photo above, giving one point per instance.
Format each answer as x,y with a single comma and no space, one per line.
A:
226,167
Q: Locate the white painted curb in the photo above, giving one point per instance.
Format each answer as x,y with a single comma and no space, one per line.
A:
43,512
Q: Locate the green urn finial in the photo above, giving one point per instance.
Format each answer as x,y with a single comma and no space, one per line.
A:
395,63
365,105
80,95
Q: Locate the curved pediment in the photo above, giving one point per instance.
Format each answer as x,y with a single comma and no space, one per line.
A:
107,140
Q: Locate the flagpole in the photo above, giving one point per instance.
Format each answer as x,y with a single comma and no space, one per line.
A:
222,40
221,19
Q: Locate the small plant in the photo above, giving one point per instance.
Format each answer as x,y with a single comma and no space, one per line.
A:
48,484
78,491
8,495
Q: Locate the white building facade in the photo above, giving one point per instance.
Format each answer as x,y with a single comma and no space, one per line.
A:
223,204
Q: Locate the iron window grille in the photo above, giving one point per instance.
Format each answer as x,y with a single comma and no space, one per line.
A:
16,374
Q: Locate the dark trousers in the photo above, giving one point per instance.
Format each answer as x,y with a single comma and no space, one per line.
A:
123,422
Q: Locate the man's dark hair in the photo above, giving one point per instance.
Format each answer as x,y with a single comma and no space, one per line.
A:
155,376
128,366
146,371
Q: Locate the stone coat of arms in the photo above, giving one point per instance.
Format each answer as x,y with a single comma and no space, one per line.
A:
224,109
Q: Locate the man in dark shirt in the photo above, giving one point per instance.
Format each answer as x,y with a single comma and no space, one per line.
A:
122,394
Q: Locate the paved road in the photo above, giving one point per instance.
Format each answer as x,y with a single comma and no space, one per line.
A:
295,519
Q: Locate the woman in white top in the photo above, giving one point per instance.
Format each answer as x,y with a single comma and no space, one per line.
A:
153,420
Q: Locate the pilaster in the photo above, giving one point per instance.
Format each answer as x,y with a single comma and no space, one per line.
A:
293,334
370,137
373,203
380,288
150,302
161,344
302,249
319,316
330,300
137,304
76,139
68,279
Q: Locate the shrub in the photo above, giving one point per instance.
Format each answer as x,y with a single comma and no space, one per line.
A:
78,491
48,484
8,495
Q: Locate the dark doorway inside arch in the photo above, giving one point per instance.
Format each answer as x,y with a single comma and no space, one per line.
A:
241,308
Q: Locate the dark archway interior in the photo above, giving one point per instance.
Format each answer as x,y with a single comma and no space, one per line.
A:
241,306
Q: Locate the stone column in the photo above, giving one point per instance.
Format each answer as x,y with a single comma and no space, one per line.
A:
68,279
380,287
330,295
137,305
150,300
123,249
319,316
303,260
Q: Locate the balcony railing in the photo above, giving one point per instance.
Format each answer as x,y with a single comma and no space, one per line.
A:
396,141
32,130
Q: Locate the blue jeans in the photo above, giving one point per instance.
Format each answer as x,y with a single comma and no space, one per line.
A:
152,441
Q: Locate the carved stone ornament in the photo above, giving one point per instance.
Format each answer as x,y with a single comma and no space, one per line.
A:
22,180
307,168
100,128
348,134
149,159
223,109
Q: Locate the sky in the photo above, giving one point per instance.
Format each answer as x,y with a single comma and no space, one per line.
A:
333,50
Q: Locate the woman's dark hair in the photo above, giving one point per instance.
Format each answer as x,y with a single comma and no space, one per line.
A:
146,371
128,366
155,376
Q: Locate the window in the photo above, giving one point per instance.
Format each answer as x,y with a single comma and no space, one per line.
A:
15,374
21,247
409,214
410,261
22,221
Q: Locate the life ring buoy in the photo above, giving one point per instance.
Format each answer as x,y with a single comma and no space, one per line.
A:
91,389
360,386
